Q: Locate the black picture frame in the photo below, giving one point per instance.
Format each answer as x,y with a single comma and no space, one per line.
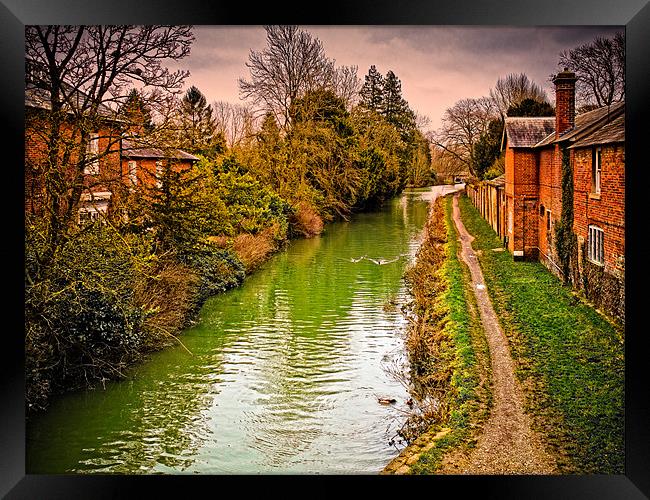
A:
633,14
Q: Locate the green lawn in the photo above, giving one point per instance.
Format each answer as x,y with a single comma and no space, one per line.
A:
570,360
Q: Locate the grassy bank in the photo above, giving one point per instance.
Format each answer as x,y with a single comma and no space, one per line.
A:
448,351
569,359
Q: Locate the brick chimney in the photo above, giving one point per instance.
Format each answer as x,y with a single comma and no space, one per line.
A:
565,101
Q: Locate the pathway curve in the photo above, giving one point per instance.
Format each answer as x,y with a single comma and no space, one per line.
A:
507,444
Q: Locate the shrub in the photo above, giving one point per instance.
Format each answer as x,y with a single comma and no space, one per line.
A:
81,322
305,222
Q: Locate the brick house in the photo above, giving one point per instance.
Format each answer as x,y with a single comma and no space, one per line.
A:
142,165
593,146
116,161
102,165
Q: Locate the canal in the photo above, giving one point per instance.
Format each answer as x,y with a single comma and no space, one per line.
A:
283,374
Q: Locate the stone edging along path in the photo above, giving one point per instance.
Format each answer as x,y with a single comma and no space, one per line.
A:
507,444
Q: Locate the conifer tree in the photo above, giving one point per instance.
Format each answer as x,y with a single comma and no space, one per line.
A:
372,91
197,127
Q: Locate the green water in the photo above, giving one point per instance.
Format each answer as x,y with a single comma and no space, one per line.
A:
284,374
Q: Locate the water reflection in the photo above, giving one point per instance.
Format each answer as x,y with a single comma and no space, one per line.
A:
283,376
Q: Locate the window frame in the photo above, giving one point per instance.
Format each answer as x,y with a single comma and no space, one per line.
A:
596,170
596,245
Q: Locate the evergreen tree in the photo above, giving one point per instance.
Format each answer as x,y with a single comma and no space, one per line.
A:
136,113
197,127
372,91
531,107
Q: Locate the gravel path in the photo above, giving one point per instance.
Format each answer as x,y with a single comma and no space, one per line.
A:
507,444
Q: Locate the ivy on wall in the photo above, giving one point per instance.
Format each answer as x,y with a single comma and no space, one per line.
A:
565,239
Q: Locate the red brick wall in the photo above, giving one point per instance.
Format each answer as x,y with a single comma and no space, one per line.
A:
146,170
606,211
521,192
36,160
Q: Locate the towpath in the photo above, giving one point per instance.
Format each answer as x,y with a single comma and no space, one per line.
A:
507,444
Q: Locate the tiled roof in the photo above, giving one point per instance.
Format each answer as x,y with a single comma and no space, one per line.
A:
613,131
586,123
525,132
133,149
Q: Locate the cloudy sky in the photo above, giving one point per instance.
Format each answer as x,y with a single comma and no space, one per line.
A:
437,65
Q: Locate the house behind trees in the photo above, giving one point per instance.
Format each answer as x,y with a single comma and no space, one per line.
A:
118,161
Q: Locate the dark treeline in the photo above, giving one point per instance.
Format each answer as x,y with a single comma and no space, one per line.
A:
312,145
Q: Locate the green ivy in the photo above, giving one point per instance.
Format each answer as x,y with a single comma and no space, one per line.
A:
564,237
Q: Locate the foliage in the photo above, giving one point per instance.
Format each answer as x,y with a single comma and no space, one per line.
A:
372,91
292,64
567,356
81,321
462,127
137,113
565,239
488,147
251,206
196,128
511,90
456,359
531,107
218,270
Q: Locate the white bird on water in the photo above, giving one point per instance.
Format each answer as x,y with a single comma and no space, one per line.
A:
381,262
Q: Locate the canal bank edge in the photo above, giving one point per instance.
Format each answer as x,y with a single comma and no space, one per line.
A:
457,333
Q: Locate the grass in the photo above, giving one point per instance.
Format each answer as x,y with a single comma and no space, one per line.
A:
469,396
569,359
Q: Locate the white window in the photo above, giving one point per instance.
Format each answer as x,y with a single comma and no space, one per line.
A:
133,172
596,169
595,245
159,173
92,160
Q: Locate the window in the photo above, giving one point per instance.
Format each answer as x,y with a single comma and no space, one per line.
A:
133,172
93,206
548,220
159,173
596,168
596,248
92,161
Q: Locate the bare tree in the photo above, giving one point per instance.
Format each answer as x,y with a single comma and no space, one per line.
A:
462,126
292,63
83,74
347,84
600,69
234,121
514,88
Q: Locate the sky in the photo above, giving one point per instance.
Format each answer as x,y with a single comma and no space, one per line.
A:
437,65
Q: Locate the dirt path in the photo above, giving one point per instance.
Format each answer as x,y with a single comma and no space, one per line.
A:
507,444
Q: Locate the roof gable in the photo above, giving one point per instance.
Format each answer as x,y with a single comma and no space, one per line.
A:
526,132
